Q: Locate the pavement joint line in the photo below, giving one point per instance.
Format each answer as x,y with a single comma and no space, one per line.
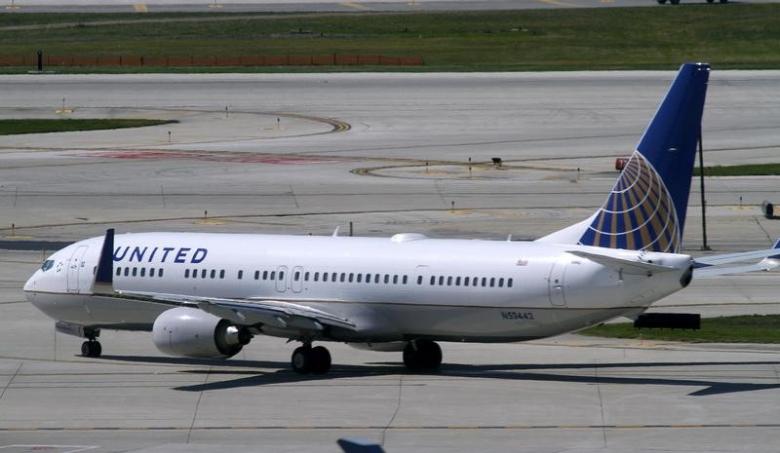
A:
510,427
8,384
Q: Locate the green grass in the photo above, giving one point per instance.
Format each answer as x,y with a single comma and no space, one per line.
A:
740,170
728,36
37,126
732,329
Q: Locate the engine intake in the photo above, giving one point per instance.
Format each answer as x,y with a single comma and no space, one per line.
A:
190,332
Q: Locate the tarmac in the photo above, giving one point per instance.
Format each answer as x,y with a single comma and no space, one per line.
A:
303,154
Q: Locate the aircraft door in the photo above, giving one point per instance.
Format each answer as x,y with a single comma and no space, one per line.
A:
556,284
281,278
297,279
75,267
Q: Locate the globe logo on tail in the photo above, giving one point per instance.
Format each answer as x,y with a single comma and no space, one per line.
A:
639,213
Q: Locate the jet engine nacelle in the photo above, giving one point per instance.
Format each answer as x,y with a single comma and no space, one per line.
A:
190,332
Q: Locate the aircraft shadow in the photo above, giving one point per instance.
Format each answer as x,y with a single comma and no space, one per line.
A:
520,372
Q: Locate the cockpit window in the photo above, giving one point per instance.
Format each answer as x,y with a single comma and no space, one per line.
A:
48,264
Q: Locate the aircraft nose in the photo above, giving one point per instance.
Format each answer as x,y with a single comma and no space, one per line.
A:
30,284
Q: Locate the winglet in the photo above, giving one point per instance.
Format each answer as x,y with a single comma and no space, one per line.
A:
104,276
776,246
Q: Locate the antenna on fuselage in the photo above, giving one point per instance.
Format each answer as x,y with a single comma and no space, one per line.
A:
336,232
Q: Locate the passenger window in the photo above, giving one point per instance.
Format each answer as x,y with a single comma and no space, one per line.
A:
118,271
213,273
419,279
143,272
492,282
433,279
306,277
387,278
376,278
500,282
316,276
135,271
457,281
324,276
222,273
203,273
127,271
475,281
257,275
358,277
465,281
484,281
405,279
240,275
159,274
441,280
509,283
395,279
297,276
449,281
368,278
281,275
265,275
343,276
151,272
351,277
272,276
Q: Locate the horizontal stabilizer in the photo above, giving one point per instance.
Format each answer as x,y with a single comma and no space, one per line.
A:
628,266
737,263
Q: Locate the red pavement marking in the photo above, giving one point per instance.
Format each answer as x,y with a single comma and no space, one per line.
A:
246,158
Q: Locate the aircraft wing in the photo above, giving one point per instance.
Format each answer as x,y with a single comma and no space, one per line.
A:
737,263
280,314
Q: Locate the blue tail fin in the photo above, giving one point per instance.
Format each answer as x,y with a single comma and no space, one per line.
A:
646,208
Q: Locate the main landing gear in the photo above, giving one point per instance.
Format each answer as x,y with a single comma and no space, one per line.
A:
419,355
307,359
422,355
91,348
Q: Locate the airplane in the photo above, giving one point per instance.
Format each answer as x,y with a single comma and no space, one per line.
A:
208,295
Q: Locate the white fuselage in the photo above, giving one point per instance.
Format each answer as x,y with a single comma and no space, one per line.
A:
405,287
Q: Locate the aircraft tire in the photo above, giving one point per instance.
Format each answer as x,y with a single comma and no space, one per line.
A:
422,355
320,360
661,2
91,348
301,360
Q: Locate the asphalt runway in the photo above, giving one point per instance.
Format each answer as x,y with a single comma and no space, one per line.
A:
311,6
303,154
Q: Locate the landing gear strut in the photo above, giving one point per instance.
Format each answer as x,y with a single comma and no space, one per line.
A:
91,348
422,355
307,359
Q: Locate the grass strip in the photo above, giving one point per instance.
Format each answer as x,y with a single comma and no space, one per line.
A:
727,36
38,126
730,329
740,170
